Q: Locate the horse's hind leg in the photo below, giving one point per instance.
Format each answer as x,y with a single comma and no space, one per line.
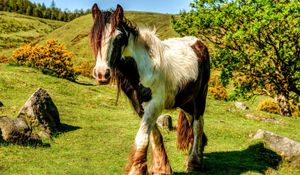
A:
195,159
160,163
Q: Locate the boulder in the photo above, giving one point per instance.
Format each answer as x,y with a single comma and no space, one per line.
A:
40,113
241,105
165,121
17,131
261,118
283,146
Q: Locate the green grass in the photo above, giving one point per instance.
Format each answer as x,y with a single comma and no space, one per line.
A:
100,135
16,29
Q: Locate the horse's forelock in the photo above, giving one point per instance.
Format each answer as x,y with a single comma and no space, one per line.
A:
100,23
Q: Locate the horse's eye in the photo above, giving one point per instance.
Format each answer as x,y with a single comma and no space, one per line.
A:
119,37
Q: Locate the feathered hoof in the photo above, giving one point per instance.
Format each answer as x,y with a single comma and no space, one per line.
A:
157,172
138,170
194,165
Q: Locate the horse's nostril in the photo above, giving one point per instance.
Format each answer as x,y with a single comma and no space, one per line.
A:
107,74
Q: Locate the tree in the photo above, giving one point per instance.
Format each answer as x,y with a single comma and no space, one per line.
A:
52,6
29,11
257,43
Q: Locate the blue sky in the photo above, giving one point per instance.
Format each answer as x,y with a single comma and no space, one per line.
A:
162,6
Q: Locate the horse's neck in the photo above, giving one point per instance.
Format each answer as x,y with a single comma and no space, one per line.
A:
147,52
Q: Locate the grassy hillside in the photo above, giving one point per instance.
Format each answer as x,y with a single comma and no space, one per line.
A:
16,29
75,34
100,135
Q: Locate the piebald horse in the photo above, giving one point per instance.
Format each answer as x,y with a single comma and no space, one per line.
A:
155,75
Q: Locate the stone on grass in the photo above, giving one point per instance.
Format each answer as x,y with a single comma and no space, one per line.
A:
165,121
17,131
37,119
283,146
241,105
261,118
41,113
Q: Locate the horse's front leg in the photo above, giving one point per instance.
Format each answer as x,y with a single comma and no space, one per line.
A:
160,163
137,163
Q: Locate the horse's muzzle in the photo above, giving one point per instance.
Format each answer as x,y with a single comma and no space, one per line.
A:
102,79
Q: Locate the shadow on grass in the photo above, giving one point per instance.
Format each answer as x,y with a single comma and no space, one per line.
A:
83,83
255,158
63,128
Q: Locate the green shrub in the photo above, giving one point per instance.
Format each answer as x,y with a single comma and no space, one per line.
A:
269,105
53,59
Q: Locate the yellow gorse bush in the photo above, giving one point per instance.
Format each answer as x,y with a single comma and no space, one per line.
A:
216,89
53,59
269,105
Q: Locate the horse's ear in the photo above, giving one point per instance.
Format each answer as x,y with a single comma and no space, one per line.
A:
95,11
119,14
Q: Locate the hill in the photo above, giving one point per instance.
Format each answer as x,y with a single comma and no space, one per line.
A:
75,34
16,29
98,135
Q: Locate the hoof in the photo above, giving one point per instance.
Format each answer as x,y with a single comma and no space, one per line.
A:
138,170
194,165
152,172
194,168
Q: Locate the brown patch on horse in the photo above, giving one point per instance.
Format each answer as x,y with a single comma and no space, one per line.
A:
200,50
160,162
137,160
184,132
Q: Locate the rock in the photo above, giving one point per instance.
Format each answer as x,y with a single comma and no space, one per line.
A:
40,113
17,131
165,121
261,118
1,104
283,146
285,106
241,105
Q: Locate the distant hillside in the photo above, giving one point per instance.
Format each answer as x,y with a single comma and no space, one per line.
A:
29,8
75,34
16,29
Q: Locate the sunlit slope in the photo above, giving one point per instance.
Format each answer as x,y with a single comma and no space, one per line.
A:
16,29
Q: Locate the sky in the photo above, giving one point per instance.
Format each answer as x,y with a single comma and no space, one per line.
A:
161,6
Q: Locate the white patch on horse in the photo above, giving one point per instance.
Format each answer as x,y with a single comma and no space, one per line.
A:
104,53
198,134
171,63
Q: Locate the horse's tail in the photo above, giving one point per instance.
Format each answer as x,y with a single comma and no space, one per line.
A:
185,134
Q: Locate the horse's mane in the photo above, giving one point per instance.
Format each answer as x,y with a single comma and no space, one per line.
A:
100,22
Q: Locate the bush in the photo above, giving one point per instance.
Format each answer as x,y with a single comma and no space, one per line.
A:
3,59
53,59
219,92
295,110
85,69
269,105
216,88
